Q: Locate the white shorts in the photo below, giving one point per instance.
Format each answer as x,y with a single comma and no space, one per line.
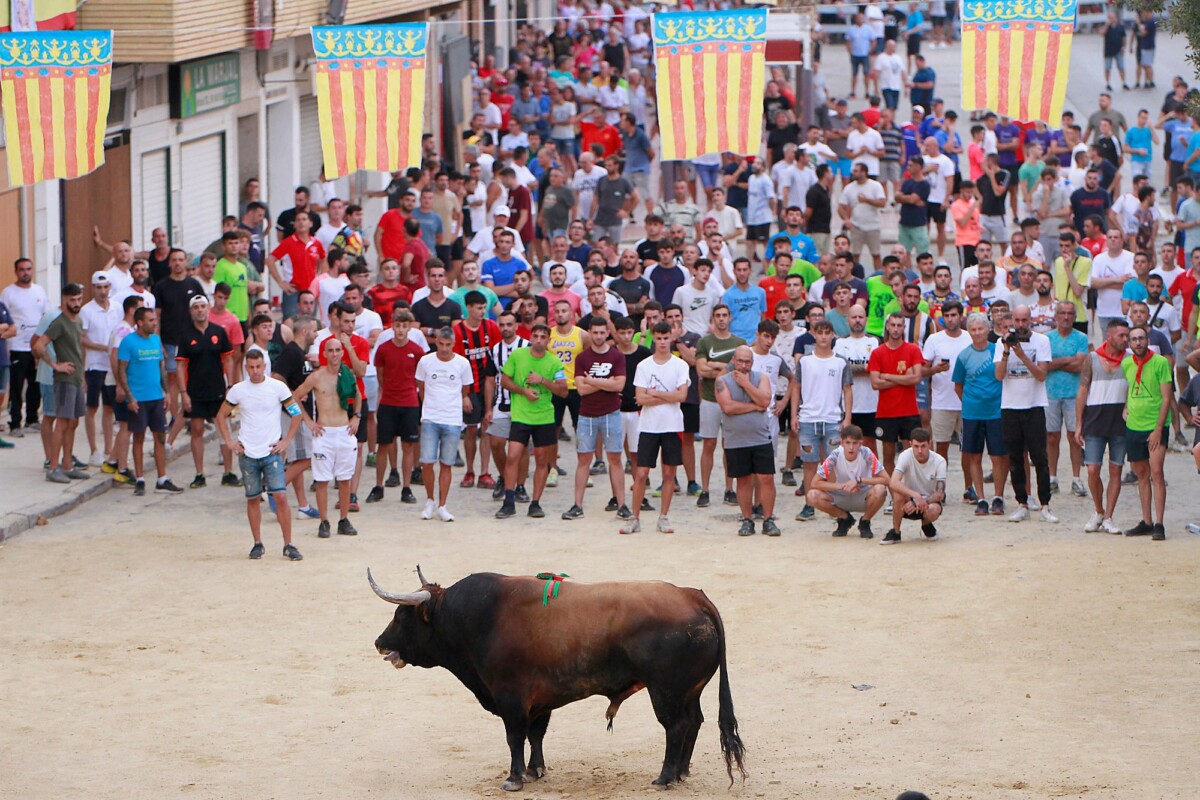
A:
710,419
371,384
501,425
945,424
334,455
629,427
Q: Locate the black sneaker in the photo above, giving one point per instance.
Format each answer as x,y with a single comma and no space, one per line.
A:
375,495
229,479
929,530
393,479
166,487
747,528
731,498
757,512
139,489
770,528
789,478
1160,533
844,524
323,529
574,512
535,510
198,482
505,511
892,537
702,500
981,508
864,529
520,495
458,461
997,506
598,468
1143,528
346,529
415,476
498,489
560,470
1130,478
646,505
406,496
257,551
291,553
624,513
612,505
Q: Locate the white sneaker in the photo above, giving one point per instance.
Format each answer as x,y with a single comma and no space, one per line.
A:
1094,522
1032,504
96,459
1108,526
1020,515
1048,515
430,507
1077,488
444,514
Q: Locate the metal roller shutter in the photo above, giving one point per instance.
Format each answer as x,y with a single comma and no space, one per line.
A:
310,141
156,194
202,199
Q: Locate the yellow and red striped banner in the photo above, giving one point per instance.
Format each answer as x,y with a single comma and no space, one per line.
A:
711,69
37,15
55,91
370,95
1016,56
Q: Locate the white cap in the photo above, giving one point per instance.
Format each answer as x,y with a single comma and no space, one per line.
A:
501,211
100,278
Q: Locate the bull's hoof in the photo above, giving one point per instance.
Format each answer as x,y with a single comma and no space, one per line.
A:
512,785
662,782
535,773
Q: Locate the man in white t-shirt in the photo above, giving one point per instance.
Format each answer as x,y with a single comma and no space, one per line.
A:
939,171
27,302
864,145
892,74
1110,270
856,349
821,393
861,210
260,446
697,298
940,351
444,381
1021,359
849,479
100,317
918,487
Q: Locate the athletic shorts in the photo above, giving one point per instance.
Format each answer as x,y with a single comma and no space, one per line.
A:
458,249
334,455
629,428
69,400
1094,446
923,394
300,448
500,426
710,419
204,409
94,380
445,253
607,427
865,421
945,424
1058,411
541,435
691,417
1137,443
978,432
564,404
841,167
120,410
850,502
758,233
937,212
741,462
402,422
913,44
151,414
475,415
371,384
893,429
649,445
258,473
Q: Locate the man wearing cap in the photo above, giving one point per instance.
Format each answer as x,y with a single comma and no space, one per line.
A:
483,244
201,380
99,319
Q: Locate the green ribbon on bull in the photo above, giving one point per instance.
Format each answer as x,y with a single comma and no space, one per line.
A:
553,582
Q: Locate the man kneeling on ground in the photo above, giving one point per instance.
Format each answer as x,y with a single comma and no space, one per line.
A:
850,479
918,487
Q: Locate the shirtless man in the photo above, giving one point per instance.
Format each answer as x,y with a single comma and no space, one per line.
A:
335,443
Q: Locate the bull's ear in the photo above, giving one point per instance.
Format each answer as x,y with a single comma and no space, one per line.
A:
423,609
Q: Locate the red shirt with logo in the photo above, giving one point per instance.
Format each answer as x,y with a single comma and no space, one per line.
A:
898,401
398,367
303,256
475,345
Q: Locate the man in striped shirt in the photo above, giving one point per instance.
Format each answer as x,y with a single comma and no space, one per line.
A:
498,419
473,339
1099,408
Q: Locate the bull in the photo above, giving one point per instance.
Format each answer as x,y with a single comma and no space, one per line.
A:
522,659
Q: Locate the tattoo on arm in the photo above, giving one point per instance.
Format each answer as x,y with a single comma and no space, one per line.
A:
939,488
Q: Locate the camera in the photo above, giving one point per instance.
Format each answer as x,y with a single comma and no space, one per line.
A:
1014,337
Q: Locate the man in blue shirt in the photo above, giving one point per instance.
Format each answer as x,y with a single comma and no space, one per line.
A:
1068,349
923,82
498,270
803,245
975,382
1139,144
1178,130
638,154
747,304
914,215
142,376
859,41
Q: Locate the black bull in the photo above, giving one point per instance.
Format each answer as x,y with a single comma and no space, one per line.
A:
523,660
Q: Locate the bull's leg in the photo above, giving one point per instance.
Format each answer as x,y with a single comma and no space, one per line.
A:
695,719
537,761
516,727
673,716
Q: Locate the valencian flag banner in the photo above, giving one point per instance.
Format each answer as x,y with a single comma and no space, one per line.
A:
36,15
711,68
370,95
1016,55
55,91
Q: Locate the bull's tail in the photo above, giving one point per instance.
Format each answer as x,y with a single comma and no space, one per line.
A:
731,743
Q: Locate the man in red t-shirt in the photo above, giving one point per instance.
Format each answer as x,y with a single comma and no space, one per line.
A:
597,131
1093,236
389,233
304,254
356,356
385,294
399,413
416,254
520,202
895,372
474,338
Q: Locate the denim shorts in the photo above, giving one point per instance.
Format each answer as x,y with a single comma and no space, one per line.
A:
817,440
48,405
439,442
860,64
608,426
1093,450
707,174
923,394
1060,410
169,353
267,470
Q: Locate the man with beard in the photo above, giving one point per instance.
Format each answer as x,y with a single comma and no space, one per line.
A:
65,334
895,370
713,352
1148,404
1099,409
1071,276
1068,351
1044,311
201,378
940,351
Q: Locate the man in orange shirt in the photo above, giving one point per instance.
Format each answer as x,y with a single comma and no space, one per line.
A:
776,288
597,131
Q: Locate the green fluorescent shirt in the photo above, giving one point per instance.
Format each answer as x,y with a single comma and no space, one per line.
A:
236,275
1145,398
879,294
518,366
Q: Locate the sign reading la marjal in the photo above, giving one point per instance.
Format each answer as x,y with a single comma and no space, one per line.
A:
205,85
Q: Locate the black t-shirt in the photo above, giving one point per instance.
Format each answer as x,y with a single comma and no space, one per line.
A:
648,250
631,291
990,203
159,270
693,393
772,106
430,316
1085,203
1146,41
1109,150
817,200
294,368
629,393
204,353
171,298
397,188
286,224
1114,40
614,54
893,23
781,136
737,194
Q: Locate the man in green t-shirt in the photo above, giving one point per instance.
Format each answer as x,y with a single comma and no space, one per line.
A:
1147,432
713,352
66,335
531,374
879,294
805,269
233,272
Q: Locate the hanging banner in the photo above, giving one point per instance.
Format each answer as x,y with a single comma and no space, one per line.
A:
370,96
710,69
55,91
36,15
1016,56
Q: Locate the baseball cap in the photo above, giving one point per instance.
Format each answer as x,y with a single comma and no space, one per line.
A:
100,279
197,300
918,109
841,101
501,211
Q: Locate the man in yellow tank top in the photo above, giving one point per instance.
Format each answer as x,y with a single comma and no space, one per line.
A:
566,342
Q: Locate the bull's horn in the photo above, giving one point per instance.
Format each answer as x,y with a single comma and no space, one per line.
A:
409,599
421,576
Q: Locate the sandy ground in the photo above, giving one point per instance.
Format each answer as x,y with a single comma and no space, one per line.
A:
145,656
